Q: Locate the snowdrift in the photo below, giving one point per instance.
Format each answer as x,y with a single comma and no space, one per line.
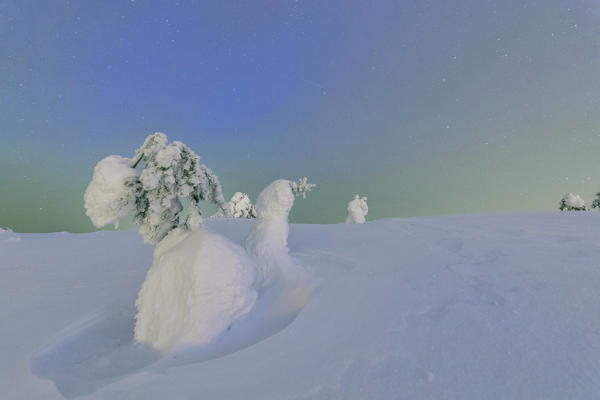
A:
469,307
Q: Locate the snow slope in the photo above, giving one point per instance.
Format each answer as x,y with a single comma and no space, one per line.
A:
457,307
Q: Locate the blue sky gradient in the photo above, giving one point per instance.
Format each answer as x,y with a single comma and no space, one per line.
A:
426,107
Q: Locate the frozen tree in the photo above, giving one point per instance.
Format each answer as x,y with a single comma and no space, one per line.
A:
357,210
596,202
267,241
301,187
152,187
201,282
241,206
572,202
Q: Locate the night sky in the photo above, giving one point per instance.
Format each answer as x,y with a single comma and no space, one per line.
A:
426,107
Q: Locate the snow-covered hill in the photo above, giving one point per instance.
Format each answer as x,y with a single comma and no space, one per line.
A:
457,307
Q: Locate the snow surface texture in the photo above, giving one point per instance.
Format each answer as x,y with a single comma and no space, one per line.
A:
108,197
572,202
357,210
197,286
458,307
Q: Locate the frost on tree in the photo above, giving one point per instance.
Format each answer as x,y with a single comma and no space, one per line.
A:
302,187
201,282
357,210
572,202
596,202
267,241
240,206
151,188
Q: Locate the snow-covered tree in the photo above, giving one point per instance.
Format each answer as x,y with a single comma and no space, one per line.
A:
357,210
201,282
572,202
241,206
267,241
301,187
151,188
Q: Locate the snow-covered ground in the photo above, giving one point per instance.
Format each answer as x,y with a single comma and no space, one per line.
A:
457,307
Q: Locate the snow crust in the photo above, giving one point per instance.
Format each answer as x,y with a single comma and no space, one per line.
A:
107,197
457,307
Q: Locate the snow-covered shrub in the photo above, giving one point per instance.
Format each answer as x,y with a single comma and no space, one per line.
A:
572,202
357,210
596,202
302,187
267,241
240,206
170,174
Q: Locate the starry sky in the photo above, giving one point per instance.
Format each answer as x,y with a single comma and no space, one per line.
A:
426,107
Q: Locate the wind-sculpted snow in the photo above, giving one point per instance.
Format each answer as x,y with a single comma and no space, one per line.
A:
108,197
197,286
460,307
201,283
267,240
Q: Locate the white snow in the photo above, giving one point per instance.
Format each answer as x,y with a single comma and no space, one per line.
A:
107,198
573,200
357,210
267,241
200,283
197,286
457,307
240,206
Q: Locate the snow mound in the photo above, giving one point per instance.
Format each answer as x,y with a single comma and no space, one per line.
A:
107,197
198,285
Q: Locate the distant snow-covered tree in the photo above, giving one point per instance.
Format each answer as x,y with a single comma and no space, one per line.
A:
572,202
302,187
241,206
596,202
151,187
357,210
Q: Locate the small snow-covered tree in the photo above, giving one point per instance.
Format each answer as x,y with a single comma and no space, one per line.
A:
302,187
152,187
267,241
357,210
572,202
596,202
241,206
